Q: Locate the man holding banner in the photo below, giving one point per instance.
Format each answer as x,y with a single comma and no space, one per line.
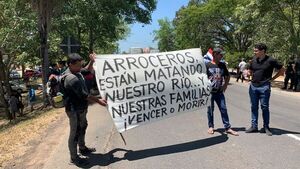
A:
76,97
219,77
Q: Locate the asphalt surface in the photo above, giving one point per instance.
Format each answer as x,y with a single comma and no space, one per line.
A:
182,142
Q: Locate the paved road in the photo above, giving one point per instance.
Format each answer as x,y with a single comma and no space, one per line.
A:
182,142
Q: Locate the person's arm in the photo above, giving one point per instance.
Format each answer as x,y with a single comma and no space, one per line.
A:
279,73
100,101
226,78
89,66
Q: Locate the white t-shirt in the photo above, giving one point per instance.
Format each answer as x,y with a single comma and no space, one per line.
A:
242,65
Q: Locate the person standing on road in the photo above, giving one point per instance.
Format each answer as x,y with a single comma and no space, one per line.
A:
76,97
241,68
289,75
218,74
261,68
297,74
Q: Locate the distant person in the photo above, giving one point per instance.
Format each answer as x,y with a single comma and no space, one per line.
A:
297,74
13,105
289,75
20,103
241,68
31,98
62,67
53,70
218,74
261,68
76,97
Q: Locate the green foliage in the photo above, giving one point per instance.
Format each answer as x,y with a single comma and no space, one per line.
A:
165,35
238,24
98,25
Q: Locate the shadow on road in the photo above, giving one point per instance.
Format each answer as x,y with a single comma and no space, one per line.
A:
130,155
277,131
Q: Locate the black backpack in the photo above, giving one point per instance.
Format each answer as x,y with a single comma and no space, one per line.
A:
61,83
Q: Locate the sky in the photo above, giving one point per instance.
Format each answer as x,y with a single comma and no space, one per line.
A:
142,35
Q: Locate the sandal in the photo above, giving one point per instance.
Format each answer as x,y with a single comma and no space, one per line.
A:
210,130
232,132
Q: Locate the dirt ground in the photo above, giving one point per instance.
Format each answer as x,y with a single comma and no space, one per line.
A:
28,142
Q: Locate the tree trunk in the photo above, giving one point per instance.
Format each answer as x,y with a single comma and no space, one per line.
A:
3,101
43,31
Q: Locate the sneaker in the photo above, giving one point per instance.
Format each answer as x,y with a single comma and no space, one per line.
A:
251,130
79,161
86,150
268,131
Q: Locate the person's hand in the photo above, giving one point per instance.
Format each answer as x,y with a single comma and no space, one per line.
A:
224,87
102,102
92,56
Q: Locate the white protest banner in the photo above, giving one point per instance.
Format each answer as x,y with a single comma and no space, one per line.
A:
143,88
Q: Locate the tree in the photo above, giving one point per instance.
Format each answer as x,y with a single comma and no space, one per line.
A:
101,23
165,35
45,10
280,25
16,22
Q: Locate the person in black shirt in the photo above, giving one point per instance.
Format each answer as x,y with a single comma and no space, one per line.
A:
261,68
289,75
297,74
76,97
219,76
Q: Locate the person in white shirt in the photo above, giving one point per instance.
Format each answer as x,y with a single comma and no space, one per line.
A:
242,67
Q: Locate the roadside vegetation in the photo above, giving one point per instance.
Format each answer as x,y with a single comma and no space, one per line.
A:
235,25
15,136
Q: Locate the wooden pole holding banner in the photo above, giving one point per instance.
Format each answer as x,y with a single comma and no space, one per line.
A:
123,138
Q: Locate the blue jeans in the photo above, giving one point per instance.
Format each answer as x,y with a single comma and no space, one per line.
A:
219,98
260,94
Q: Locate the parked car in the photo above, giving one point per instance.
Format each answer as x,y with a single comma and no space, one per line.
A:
32,73
14,74
17,86
28,73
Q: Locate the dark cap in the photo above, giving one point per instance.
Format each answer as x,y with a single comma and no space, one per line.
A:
219,51
73,58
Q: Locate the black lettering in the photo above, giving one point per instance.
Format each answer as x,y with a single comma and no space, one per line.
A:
180,58
119,63
101,85
171,58
146,64
131,62
139,118
190,57
131,118
151,75
116,111
106,67
161,60
150,60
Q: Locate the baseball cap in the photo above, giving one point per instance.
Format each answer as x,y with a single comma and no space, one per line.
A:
219,50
